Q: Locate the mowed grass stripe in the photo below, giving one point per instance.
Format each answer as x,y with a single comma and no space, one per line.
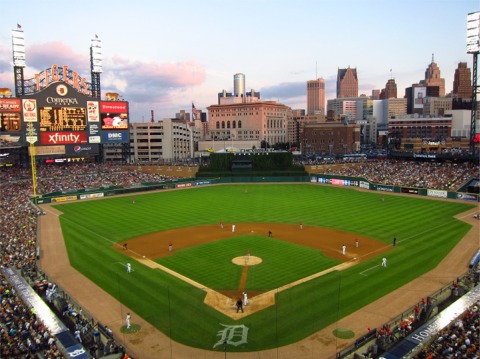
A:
425,230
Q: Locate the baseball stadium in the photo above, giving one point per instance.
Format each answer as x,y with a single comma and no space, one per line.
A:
255,254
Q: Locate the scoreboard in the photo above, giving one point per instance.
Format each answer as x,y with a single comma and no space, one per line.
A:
61,115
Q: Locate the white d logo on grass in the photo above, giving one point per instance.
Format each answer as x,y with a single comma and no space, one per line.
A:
233,335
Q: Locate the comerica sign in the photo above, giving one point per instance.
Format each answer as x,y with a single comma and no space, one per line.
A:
61,73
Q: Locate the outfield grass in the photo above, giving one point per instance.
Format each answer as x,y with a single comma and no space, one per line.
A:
426,231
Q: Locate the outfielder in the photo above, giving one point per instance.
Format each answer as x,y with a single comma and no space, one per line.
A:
127,321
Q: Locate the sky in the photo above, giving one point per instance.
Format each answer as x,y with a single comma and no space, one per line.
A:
163,55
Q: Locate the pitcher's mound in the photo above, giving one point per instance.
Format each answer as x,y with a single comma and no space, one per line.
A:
247,260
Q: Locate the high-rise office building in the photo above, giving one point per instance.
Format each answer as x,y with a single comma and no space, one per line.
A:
390,90
239,85
316,96
347,83
433,77
462,82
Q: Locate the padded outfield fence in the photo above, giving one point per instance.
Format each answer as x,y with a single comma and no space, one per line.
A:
335,180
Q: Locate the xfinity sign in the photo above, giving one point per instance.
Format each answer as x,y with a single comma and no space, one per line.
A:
63,138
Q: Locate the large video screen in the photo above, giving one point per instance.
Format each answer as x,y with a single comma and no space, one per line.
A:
114,115
10,116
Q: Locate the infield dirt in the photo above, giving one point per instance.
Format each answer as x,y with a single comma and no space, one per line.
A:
329,241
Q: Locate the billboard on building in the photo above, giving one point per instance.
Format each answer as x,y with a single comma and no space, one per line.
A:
419,94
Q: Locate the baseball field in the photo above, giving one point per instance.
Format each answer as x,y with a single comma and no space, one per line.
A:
298,280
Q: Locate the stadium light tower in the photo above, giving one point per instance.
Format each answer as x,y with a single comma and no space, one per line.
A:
18,45
473,47
96,66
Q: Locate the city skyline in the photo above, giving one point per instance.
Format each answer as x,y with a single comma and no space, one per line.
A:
176,53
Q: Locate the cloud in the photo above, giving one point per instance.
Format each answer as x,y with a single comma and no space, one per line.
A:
147,82
43,56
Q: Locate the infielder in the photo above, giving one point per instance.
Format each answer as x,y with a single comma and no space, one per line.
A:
384,262
344,249
245,298
233,228
129,268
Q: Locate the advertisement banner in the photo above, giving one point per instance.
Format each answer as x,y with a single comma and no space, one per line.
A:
64,199
364,185
93,129
76,150
437,193
91,195
201,183
384,188
48,150
10,140
113,107
94,139
10,105
93,111
419,94
424,155
409,190
467,196
114,137
63,138
29,110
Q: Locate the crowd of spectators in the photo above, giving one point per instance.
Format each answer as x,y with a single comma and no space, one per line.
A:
21,333
433,175
459,340
79,176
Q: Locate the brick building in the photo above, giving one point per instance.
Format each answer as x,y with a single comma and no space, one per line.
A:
330,138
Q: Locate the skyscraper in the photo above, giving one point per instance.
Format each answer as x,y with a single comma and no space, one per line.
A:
239,85
316,96
390,90
432,77
462,82
347,83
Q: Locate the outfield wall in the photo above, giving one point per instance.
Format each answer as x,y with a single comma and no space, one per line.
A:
335,180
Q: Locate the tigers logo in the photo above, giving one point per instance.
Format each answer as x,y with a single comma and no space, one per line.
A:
62,90
233,335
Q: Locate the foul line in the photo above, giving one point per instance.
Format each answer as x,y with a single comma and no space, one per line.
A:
409,238
98,235
366,270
